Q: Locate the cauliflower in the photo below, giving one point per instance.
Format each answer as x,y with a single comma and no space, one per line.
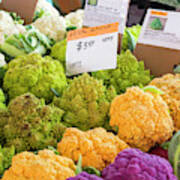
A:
135,32
47,8
44,166
32,73
129,72
75,19
58,51
6,155
170,85
143,118
85,102
52,26
97,147
2,60
30,124
2,100
85,176
132,164
8,26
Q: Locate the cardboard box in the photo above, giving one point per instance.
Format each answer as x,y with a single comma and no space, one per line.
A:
66,6
159,60
24,8
159,42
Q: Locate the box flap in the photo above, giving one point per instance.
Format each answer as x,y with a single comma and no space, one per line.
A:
24,8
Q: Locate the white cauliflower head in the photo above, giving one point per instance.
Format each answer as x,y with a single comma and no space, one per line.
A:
75,19
2,60
7,26
52,26
47,7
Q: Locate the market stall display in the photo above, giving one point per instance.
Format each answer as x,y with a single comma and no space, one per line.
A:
111,124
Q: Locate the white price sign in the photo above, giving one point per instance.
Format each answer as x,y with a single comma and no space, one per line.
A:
160,29
92,49
99,12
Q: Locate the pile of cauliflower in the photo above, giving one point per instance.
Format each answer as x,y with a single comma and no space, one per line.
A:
94,126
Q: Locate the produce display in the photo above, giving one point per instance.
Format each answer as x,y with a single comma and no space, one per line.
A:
29,124
45,165
170,84
86,103
129,72
85,176
143,118
135,164
116,124
36,74
97,147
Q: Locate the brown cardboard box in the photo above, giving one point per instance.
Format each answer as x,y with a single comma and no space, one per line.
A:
66,6
158,59
24,8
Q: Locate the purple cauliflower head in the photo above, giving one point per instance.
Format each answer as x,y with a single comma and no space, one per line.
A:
133,164
85,176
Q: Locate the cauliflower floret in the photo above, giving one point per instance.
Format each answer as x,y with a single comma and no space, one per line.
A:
52,26
7,26
86,103
47,7
58,51
97,147
143,118
75,19
2,100
129,72
170,85
44,166
132,164
85,176
30,124
35,74
2,60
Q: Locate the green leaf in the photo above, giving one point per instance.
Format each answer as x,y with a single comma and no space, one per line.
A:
177,162
53,149
165,145
131,40
153,89
177,69
79,166
70,28
174,153
92,170
55,92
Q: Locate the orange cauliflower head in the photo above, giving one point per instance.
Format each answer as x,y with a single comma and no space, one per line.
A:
97,147
143,118
170,85
44,166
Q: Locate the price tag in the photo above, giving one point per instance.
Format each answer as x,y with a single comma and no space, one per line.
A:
160,28
92,49
99,12
159,41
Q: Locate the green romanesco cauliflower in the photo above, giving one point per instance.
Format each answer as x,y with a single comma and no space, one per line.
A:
31,125
6,155
135,32
129,72
58,51
35,74
86,103
2,100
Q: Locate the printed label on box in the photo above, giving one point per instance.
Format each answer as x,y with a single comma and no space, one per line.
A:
100,12
161,28
92,49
